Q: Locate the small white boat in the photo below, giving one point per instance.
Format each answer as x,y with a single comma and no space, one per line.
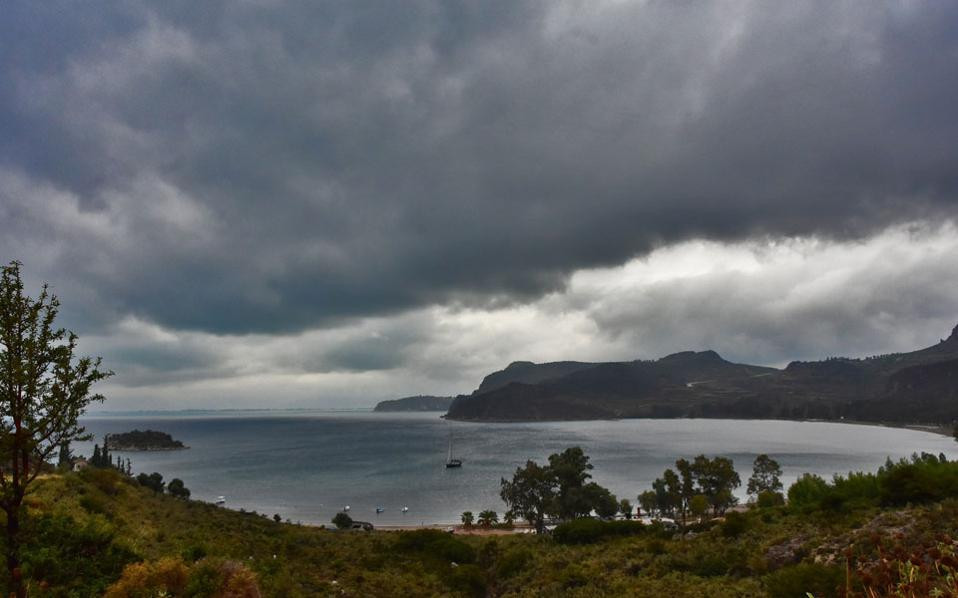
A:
405,509
379,510
220,501
346,508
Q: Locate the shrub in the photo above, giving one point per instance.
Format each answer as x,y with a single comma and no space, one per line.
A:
586,531
467,579
804,579
342,521
436,544
513,562
807,491
81,558
172,577
768,499
734,525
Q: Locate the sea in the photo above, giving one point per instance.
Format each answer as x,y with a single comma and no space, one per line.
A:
306,466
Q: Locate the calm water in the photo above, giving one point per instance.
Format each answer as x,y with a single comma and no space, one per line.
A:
306,466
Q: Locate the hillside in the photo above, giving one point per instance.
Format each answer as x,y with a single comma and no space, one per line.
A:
417,403
100,533
916,387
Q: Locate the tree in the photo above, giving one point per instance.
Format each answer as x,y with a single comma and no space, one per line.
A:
65,458
571,470
487,518
603,502
177,489
154,481
716,478
342,520
765,476
531,494
467,518
648,502
44,389
625,507
277,518
699,506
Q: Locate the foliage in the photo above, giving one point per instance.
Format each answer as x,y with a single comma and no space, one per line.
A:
43,392
588,530
559,489
765,476
804,579
625,508
342,520
153,481
468,518
734,525
487,518
768,499
172,577
436,544
530,494
807,491
714,479
178,490
77,558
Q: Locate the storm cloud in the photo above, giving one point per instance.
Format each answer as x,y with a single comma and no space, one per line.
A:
315,174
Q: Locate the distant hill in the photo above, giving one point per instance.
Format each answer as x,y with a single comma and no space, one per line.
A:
920,386
417,403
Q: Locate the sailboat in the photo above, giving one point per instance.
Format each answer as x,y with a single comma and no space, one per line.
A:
450,462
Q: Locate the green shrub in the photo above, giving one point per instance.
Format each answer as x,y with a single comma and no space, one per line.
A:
436,544
467,579
586,531
83,559
807,492
512,562
769,499
798,581
734,525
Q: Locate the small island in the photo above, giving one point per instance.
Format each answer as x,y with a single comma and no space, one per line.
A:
417,403
148,440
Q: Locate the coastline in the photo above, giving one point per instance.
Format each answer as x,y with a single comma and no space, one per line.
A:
931,428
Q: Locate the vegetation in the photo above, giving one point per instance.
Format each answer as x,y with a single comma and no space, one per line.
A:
145,440
99,532
43,391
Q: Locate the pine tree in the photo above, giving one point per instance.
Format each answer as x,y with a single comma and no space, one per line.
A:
65,459
95,459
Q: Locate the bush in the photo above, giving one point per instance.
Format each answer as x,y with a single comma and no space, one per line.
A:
924,479
172,577
436,544
804,579
586,531
734,525
513,562
769,499
342,521
83,559
807,492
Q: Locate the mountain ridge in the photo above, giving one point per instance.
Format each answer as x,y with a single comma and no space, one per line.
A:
911,387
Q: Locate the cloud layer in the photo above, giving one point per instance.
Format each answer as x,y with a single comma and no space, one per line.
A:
312,175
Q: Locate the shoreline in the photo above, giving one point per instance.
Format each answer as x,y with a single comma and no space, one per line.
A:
931,428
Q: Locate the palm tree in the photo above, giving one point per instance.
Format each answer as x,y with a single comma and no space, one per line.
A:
487,518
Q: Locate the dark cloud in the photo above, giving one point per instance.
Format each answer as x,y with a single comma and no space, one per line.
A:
250,167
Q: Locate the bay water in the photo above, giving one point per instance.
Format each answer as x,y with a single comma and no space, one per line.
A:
307,465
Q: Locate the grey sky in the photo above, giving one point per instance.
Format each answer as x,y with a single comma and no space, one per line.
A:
329,203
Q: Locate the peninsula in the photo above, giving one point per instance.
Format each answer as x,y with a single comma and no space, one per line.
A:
416,403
